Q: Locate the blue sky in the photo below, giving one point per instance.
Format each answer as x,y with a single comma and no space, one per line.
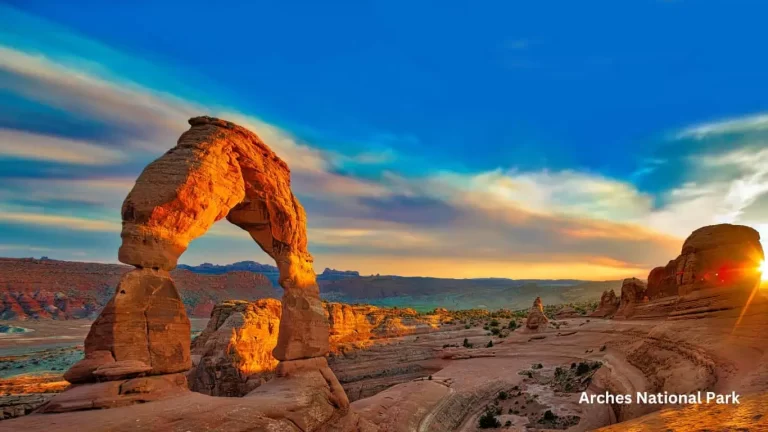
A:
546,139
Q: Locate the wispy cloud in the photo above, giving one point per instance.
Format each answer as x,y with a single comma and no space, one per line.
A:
30,146
751,123
59,221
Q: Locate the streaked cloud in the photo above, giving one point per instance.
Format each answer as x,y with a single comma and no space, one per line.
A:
17,144
59,221
751,123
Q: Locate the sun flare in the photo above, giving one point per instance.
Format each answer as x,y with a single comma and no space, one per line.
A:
764,270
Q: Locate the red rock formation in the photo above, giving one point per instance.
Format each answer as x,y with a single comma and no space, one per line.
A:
720,255
662,281
567,312
609,303
235,175
234,353
714,256
536,319
632,293
216,170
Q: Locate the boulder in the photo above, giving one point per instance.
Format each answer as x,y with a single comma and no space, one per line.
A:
536,319
609,303
632,293
235,349
82,371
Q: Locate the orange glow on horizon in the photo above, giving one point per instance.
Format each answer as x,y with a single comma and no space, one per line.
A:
764,270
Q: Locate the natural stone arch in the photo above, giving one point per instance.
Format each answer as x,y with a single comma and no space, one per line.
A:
216,170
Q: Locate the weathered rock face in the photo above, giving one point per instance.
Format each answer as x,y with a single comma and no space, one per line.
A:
609,303
217,170
536,318
662,281
144,322
632,293
233,355
714,256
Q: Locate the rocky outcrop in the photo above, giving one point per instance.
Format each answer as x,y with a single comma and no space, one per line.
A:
50,289
720,255
536,319
632,293
233,355
662,281
714,256
567,312
609,303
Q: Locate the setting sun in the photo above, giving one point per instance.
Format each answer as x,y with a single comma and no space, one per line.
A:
764,270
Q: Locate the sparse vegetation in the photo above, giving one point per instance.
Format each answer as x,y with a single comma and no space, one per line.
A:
490,344
488,420
502,395
494,323
466,343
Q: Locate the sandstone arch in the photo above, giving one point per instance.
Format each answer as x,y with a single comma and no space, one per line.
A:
216,170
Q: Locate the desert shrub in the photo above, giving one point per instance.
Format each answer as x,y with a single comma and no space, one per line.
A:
513,324
537,366
466,343
508,423
582,368
495,331
549,415
467,326
503,395
488,420
490,344
494,323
